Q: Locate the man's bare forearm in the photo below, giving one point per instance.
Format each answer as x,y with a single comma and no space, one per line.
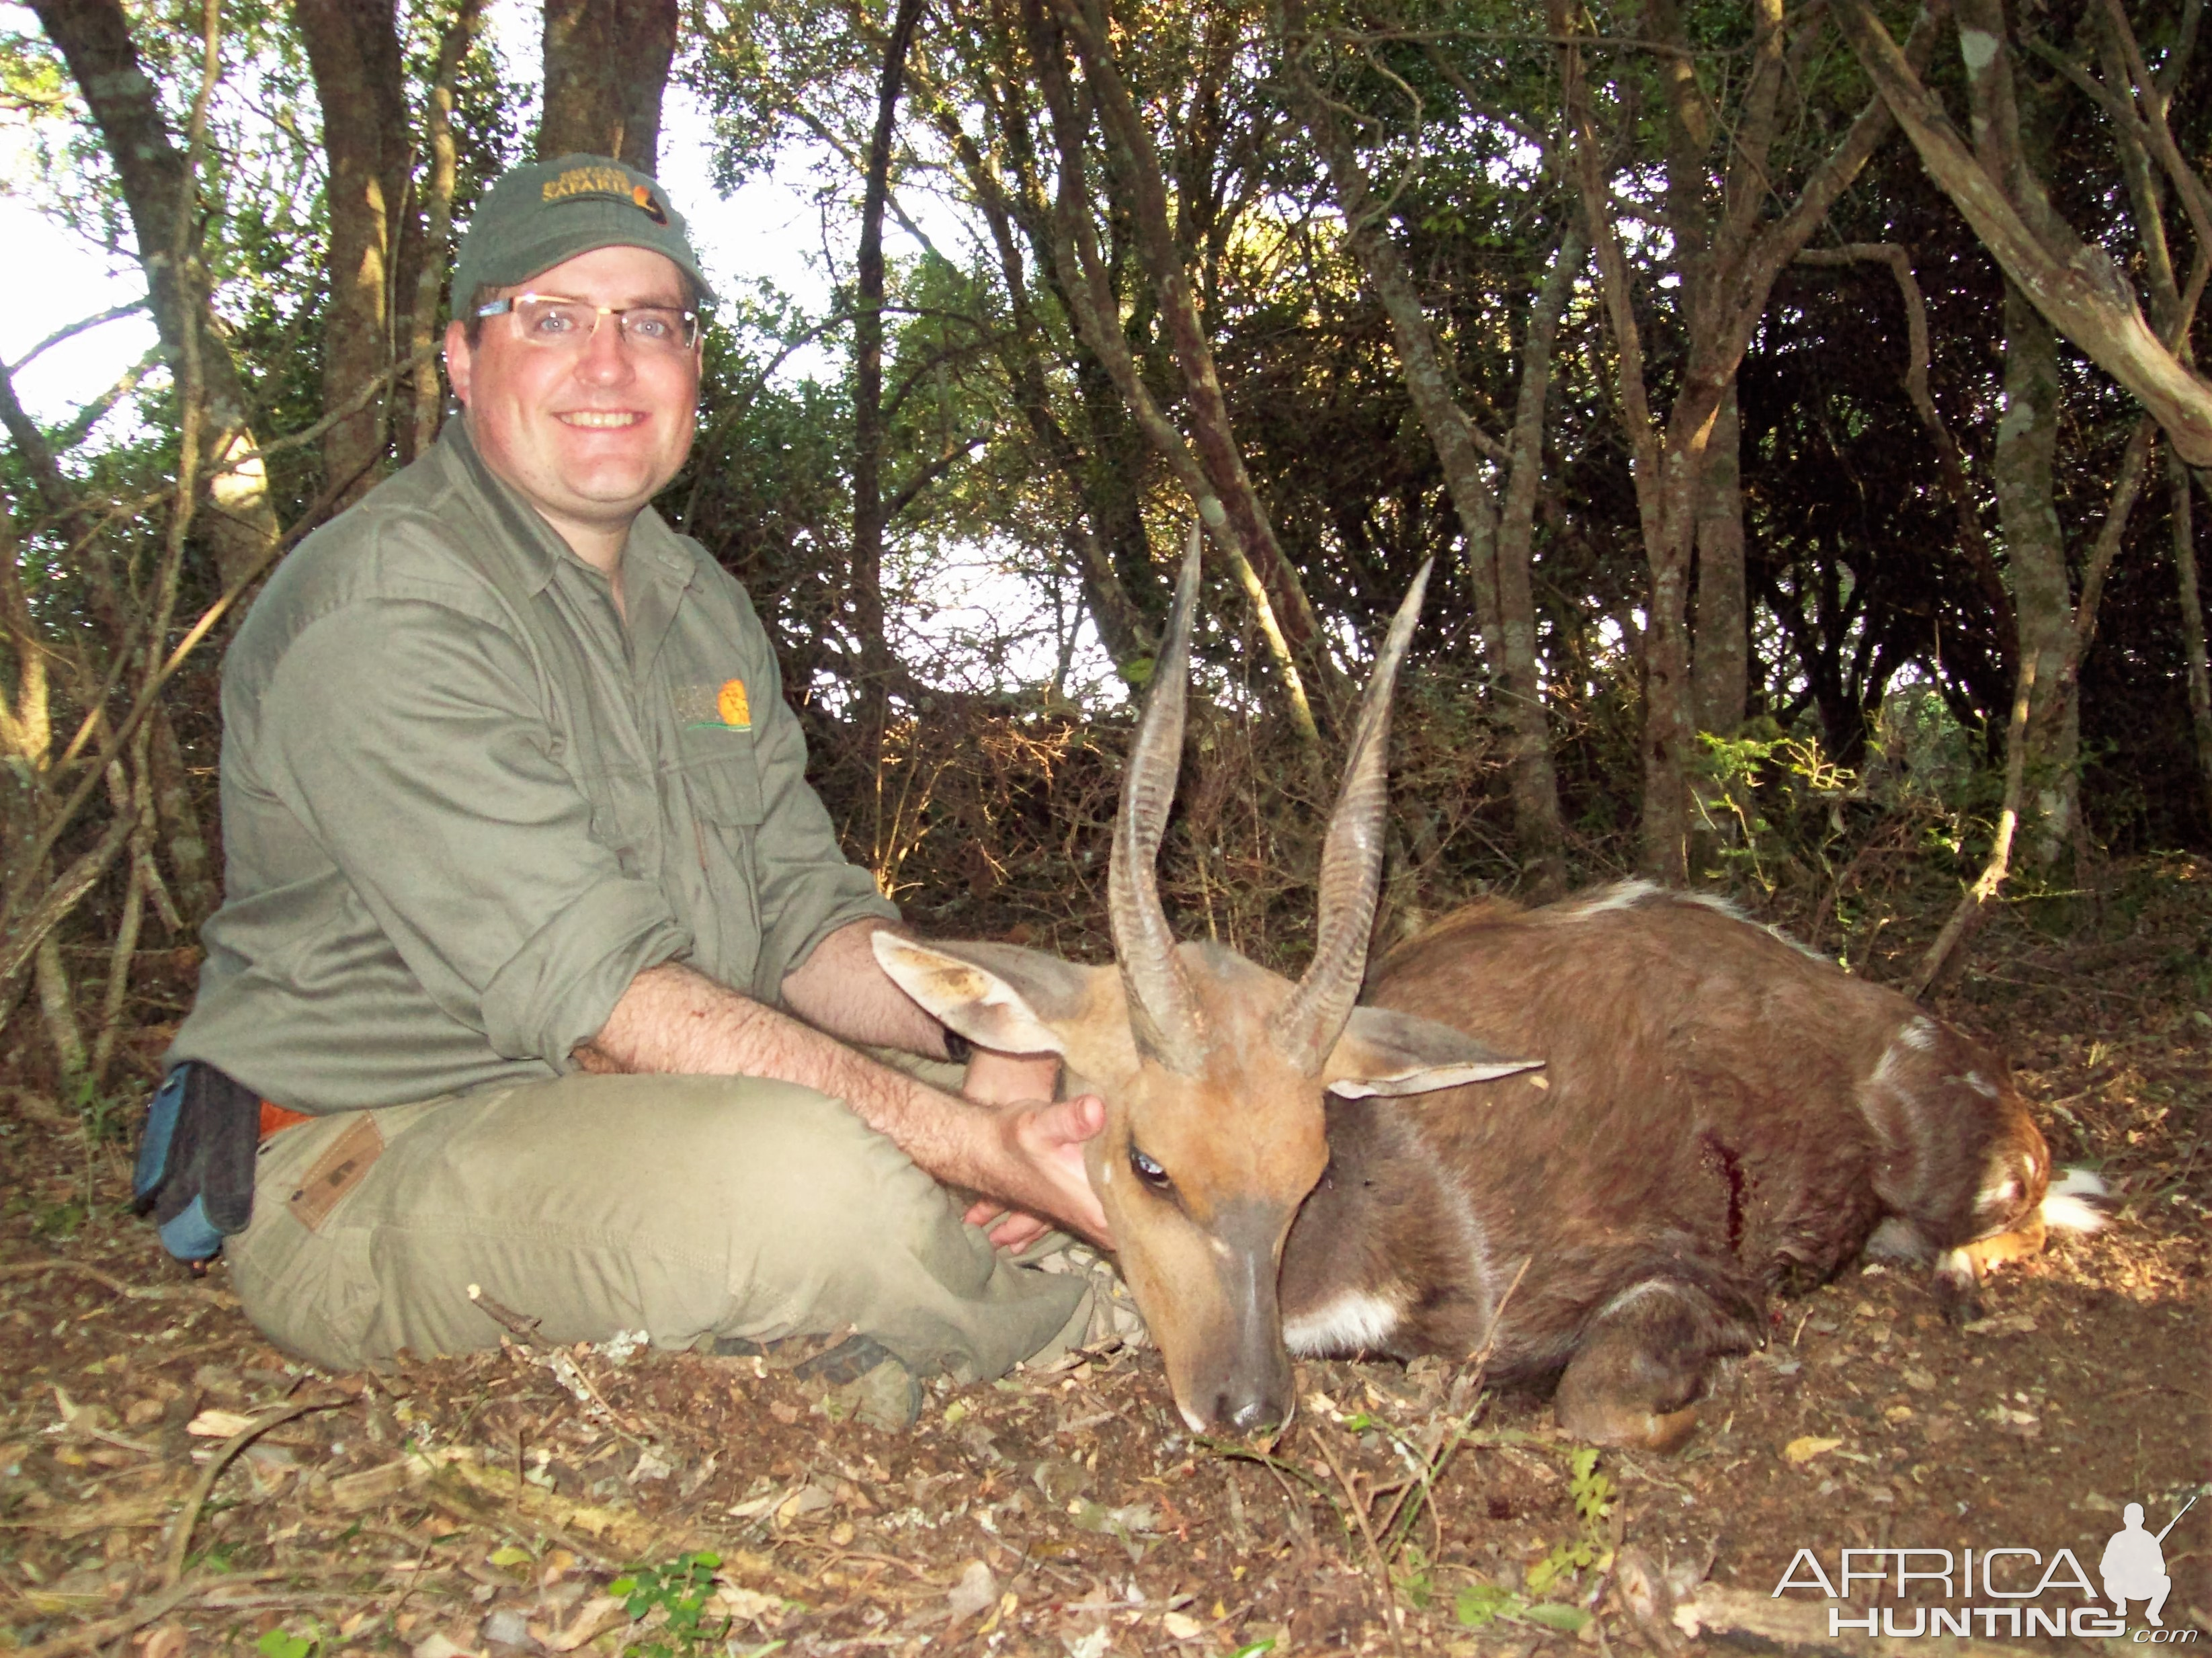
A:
841,988
675,1020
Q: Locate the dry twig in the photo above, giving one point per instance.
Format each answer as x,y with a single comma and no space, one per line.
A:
107,1280
172,1569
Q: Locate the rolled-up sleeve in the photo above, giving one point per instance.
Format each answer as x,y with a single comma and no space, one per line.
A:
410,739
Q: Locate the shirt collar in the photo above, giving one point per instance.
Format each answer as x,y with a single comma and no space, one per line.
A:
653,559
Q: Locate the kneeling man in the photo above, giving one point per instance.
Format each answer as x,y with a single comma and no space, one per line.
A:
2134,1567
537,945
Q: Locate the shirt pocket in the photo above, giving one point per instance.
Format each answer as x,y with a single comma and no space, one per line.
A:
720,776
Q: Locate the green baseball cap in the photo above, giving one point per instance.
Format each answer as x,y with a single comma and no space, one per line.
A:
536,215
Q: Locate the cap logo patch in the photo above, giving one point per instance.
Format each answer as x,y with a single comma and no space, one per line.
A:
592,181
643,199
714,707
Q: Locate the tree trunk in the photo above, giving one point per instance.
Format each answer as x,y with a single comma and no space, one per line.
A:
1733,278
191,867
1670,719
2173,313
2192,622
1989,578
1507,624
2035,553
606,66
1536,782
1107,492
353,47
868,427
1234,507
1094,306
95,39
1721,660
434,256
185,841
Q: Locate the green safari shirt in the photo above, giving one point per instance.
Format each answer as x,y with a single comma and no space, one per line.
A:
464,804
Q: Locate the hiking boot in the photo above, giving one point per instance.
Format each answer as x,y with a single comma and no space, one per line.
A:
1113,1320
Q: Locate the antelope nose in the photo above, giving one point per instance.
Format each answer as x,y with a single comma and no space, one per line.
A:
1253,1418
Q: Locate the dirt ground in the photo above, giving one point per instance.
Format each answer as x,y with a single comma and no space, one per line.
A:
170,1485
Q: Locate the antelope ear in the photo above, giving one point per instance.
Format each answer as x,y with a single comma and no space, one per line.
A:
1386,1053
998,996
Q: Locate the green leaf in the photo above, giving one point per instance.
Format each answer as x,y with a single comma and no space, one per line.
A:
1479,1604
1568,1618
1254,1648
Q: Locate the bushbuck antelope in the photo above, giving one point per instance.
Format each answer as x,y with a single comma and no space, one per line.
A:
1716,1115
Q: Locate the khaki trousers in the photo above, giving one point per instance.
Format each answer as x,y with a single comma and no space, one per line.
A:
685,1206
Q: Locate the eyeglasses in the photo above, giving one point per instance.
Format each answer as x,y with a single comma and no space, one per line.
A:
563,324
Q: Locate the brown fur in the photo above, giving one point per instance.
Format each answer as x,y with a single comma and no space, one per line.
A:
1721,1116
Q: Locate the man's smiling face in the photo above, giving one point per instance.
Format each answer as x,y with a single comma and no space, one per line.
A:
588,436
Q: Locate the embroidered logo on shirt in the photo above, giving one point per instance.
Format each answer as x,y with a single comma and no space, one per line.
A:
714,707
729,702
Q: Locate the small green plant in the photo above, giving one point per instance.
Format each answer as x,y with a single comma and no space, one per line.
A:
680,1590
1413,1576
1479,1605
281,1642
1593,1495
216,1556
58,1223
1769,798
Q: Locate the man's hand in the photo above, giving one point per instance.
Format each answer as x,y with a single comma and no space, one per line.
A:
1048,1136
995,1078
1023,1079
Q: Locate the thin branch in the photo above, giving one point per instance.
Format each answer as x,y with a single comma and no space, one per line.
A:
2134,463
1949,950
1950,461
180,1535
112,314
115,1285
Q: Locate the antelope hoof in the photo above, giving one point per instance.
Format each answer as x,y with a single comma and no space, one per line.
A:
1644,1364
1611,1422
1617,1392
1957,1288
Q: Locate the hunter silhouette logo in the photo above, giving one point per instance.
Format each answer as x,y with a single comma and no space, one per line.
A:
2133,1566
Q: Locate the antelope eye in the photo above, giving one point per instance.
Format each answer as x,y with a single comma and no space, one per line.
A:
1148,1171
